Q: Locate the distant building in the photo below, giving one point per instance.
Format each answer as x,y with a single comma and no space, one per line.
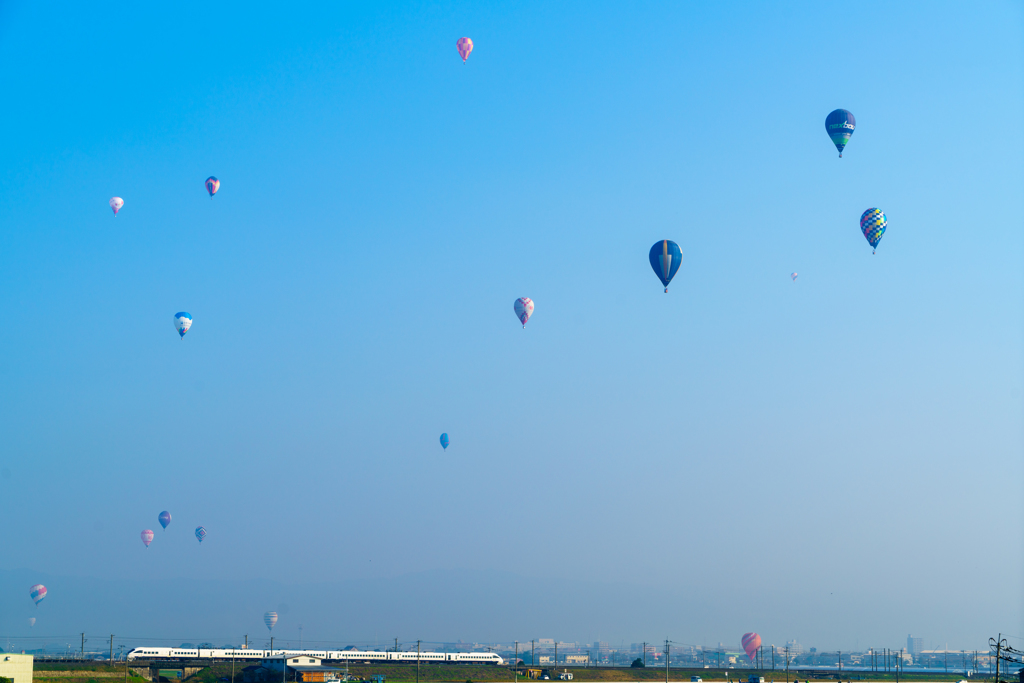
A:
602,649
577,659
545,659
546,642
16,667
914,645
302,668
795,648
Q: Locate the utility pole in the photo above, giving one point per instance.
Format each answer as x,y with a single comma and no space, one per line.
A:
246,641
556,652
840,663
533,652
787,665
667,650
645,653
271,646
999,648
515,664
232,665
83,646
417,661
111,648
773,658
396,644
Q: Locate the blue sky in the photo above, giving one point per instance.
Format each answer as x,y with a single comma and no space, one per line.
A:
823,449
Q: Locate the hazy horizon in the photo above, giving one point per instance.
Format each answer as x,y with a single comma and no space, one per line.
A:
836,459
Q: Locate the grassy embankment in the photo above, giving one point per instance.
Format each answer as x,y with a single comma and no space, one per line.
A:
60,672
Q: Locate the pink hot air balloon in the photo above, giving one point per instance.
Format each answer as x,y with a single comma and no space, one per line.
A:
116,203
465,46
147,537
524,309
751,642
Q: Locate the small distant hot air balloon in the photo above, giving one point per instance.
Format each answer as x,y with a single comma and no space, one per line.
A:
444,441
872,224
465,46
31,622
794,275
165,518
37,593
182,321
212,185
751,642
524,309
270,618
116,203
840,125
147,537
200,533
665,259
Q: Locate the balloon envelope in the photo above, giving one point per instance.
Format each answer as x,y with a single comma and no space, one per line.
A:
116,203
212,185
794,275
147,536
665,259
464,46
524,309
750,642
200,533
444,441
31,621
182,321
270,618
872,224
840,125
37,593
165,518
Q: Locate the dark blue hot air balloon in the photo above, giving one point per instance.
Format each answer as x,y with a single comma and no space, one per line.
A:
840,125
165,518
444,441
665,259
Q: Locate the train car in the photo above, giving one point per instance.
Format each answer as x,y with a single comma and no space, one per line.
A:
366,656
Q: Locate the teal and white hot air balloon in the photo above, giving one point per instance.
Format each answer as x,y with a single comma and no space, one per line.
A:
182,321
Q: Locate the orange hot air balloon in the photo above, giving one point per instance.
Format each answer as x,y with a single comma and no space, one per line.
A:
751,642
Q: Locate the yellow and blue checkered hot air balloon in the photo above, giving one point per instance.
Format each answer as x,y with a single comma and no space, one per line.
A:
872,224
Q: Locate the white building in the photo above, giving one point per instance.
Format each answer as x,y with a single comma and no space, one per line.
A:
16,667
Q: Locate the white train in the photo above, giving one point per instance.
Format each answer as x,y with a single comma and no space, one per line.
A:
360,656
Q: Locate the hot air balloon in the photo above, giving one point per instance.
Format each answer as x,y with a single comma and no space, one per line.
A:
270,618
524,309
116,203
37,592
31,622
165,518
840,125
665,259
147,536
444,441
751,642
464,46
182,321
200,533
872,224
794,275
212,185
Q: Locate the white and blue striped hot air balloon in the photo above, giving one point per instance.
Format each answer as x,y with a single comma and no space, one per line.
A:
182,321
270,618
